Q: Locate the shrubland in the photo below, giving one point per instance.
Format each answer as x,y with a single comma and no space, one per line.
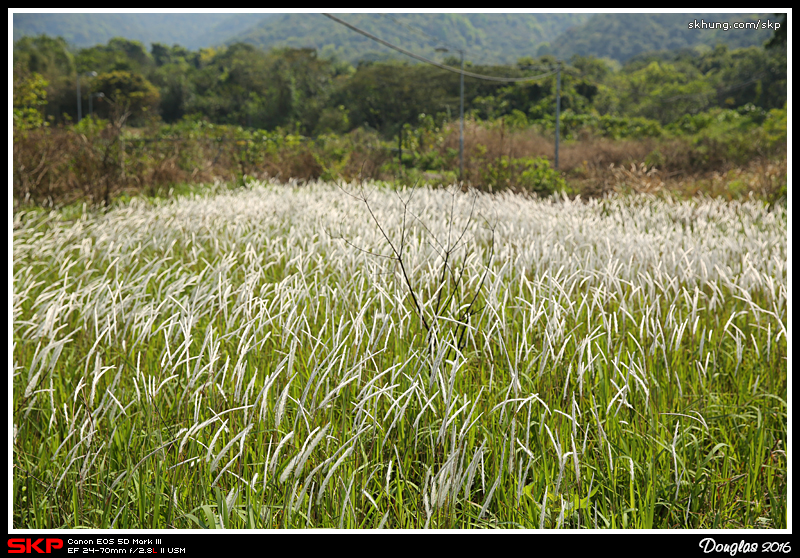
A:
100,160
170,116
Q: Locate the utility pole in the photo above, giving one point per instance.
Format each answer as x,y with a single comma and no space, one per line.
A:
400,151
461,130
451,69
94,96
89,74
461,135
78,81
558,106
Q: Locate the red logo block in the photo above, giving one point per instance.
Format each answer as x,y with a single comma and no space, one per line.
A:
29,546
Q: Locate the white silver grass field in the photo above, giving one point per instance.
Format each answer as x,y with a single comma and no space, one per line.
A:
289,356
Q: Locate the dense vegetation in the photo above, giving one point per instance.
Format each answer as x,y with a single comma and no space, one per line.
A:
171,115
488,38
297,89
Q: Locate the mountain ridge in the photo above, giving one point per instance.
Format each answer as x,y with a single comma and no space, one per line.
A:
486,38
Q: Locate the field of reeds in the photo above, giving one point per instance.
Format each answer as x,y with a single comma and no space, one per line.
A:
286,356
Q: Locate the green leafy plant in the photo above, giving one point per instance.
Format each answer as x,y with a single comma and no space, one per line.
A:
532,175
30,98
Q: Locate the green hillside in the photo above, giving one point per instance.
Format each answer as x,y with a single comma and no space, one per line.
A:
192,31
487,38
623,36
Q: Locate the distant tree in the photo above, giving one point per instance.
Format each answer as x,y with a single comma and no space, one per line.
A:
127,92
118,55
50,58
385,96
163,54
47,56
175,73
590,67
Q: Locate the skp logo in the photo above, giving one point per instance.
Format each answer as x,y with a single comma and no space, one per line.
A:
29,546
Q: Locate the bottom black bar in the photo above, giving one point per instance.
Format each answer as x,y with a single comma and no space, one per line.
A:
195,543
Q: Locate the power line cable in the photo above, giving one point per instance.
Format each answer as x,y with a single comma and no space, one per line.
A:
433,62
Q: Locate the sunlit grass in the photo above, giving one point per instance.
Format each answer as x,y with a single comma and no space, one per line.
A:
254,359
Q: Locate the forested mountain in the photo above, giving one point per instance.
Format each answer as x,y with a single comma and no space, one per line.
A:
192,31
623,36
486,38
494,38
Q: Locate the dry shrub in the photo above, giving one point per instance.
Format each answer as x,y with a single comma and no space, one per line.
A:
488,143
52,167
602,153
366,158
59,166
764,178
594,166
298,163
366,164
36,155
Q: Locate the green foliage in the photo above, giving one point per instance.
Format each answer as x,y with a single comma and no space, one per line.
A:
532,175
538,176
721,120
298,89
694,110
595,69
52,59
128,93
30,97
118,55
49,56
671,83
333,120
608,126
779,39
732,137
776,126
387,96
502,37
248,87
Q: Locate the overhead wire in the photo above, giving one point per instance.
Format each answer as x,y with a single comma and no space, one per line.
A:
523,79
433,62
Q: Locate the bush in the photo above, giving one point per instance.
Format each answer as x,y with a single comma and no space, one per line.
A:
775,127
537,176
604,126
30,98
532,175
